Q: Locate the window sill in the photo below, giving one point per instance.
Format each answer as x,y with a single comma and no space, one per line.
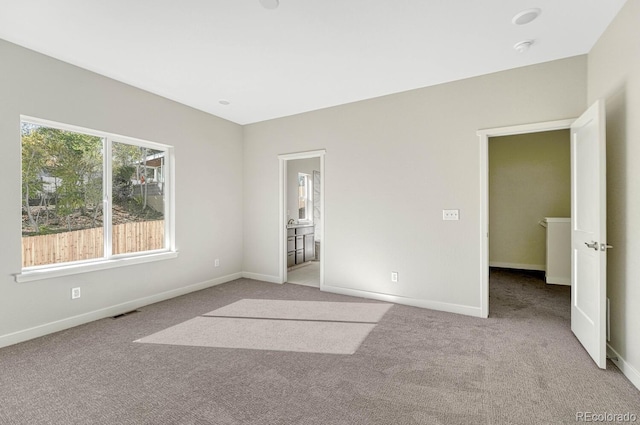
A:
51,272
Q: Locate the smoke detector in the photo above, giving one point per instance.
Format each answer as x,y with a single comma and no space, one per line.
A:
523,46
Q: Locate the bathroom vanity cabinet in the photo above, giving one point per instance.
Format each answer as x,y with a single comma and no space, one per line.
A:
300,245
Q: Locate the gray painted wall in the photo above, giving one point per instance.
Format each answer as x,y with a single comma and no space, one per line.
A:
208,169
392,165
614,75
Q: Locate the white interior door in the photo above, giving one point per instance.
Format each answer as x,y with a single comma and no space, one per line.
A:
589,232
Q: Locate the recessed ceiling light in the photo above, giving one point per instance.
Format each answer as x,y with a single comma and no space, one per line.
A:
224,102
270,4
526,16
523,46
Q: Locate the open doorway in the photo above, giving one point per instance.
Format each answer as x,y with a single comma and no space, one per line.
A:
535,262
588,224
530,224
529,199
302,218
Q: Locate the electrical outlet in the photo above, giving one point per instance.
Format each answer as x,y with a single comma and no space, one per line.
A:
75,293
394,276
451,214
216,262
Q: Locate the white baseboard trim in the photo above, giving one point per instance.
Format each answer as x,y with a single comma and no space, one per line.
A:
538,267
70,322
433,305
558,280
627,370
262,277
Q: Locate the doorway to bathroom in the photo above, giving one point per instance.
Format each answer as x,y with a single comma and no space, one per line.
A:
302,218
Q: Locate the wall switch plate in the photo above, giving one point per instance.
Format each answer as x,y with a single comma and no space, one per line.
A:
394,276
451,214
75,293
216,263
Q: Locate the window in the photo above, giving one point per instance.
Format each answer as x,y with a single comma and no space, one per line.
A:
89,196
304,197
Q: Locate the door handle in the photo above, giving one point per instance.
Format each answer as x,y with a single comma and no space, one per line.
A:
604,247
593,245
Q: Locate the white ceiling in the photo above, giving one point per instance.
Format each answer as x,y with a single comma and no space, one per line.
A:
304,55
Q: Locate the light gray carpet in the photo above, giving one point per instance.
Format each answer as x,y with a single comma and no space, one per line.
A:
265,334
520,366
304,310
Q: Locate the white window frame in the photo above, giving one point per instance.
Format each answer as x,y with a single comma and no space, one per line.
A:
109,260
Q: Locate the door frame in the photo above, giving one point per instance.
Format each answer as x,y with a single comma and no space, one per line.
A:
484,136
282,227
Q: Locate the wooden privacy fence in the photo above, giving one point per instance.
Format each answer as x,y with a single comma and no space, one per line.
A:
89,243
